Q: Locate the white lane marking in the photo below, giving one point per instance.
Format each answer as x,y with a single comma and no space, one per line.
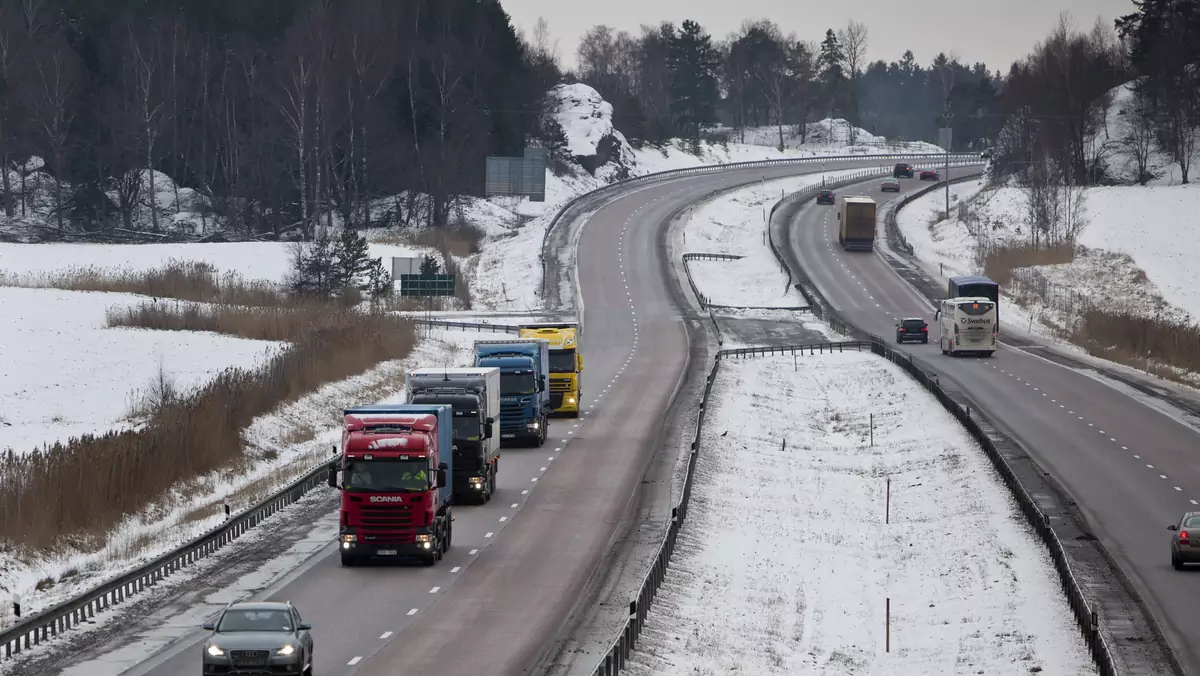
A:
387,634
503,519
1124,448
473,552
455,569
534,479
354,661
435,590
1178,489
514,506
488,534
1194,502
1162,476
1101,431
544,469
413,611
525,492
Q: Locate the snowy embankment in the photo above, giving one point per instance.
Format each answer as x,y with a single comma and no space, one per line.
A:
791,551
1135,254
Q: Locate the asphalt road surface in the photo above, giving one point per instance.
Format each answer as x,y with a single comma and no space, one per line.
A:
517,566
1131,468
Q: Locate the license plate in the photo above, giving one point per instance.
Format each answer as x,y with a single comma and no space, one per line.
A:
508,436
249,663
386,552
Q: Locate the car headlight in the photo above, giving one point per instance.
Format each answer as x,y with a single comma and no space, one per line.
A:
215,651
286,650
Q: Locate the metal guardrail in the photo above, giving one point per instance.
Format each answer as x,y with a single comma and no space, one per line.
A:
892,229
60,618
577,203
617,655
467,326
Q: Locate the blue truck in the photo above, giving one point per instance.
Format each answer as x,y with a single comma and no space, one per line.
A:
524,365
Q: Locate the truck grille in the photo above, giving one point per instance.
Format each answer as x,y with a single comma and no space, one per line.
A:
512,415
557,385
385,516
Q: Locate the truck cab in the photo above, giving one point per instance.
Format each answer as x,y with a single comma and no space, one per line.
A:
524,374
474,397
395,492
566,365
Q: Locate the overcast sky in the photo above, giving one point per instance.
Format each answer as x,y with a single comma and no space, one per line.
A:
996,32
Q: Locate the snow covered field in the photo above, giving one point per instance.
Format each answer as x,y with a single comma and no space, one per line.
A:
785,561
67,374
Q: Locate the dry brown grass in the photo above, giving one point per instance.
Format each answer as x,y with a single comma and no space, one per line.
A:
1136,340
460,239
181,280
119,473
999,262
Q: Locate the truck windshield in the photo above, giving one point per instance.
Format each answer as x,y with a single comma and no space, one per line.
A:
386,476
518,384
466,428
562,361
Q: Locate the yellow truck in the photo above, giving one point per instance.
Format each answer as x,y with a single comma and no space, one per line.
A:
566,364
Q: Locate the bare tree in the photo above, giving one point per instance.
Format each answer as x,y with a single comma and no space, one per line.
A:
596,54
1137,136
853,39
55,81
297,111
543,45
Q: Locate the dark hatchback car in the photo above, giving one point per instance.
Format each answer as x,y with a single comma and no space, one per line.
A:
902,170
1185,544
929,175
258,638
825,197
912,330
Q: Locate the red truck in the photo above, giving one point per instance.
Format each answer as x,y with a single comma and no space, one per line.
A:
396,489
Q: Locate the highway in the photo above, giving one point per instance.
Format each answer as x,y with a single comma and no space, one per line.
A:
1131,468
518,566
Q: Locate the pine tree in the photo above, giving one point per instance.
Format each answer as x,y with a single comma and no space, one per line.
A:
352,260
378,281
832,61
430,266
693,64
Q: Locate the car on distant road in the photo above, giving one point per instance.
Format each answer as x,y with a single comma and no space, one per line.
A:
1185,544
902,170
929,175
889,184
825,197
258,638
912,329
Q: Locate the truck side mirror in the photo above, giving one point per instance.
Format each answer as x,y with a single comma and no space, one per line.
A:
489,421
541,383
487,429
333,475
937,315
441,474
579,363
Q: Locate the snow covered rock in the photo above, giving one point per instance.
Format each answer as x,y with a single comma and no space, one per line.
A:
586,120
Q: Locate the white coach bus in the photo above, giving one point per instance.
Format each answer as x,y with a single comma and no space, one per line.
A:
967,326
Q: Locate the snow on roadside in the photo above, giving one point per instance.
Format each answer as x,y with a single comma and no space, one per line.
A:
799,586
68,374
735,224
283,445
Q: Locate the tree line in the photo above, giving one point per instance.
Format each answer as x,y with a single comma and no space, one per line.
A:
282,114
672,81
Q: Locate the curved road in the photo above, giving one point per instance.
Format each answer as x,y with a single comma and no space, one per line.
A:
1131,468
518,566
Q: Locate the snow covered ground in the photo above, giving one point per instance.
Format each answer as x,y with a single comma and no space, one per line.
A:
786,559
835,133
67,374
736,224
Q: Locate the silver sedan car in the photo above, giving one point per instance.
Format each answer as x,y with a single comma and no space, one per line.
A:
258,638
1185,543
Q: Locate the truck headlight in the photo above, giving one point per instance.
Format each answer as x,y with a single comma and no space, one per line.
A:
215,651
476,482
534,425
570,400
349,537
424,537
